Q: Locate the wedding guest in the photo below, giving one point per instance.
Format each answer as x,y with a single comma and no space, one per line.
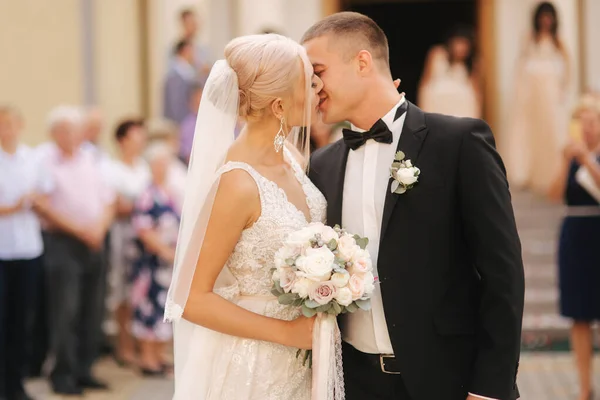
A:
21,247
166,132
538,117
92,132
578,255
181,78
77,215
450,83
157,223
129,177
188,126
190,26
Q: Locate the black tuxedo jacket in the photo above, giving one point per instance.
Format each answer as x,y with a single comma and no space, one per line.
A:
450,262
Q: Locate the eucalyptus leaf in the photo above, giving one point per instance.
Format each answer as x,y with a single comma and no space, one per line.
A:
340,262
332,245
364,304
298,302
362,243
340,271
337,309
308,312
311,303
395,185
278,286
287,299
324,308
275,292
400,190
298,353
352,308
331,311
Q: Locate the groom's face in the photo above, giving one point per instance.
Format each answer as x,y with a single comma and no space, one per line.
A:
342,85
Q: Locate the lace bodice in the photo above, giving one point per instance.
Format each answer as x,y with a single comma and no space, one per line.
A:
252,260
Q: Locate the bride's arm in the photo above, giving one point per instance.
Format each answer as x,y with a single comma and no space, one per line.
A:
236,207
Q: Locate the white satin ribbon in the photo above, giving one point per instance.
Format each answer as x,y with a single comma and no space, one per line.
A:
327,367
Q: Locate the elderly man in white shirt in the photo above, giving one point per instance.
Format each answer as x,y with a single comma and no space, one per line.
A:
22,181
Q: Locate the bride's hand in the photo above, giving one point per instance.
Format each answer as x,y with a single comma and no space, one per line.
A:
300,333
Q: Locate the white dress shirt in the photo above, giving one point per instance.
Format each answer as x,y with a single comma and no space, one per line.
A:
365,189
21,174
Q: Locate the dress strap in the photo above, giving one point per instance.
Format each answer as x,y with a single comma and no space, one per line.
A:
294,163
258,178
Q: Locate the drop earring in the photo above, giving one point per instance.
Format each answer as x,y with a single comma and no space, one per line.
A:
279,138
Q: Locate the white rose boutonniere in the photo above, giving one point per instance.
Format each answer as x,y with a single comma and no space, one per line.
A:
404,174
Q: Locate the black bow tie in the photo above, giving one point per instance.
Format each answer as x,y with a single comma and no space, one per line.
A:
378,132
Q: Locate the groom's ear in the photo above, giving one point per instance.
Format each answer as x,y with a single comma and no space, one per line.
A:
365,61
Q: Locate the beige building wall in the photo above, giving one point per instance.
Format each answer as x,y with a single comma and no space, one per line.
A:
40,43
117,77
592,47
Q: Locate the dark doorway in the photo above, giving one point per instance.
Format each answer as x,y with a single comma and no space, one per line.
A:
412,28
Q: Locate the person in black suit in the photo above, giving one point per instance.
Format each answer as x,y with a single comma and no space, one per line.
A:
446,317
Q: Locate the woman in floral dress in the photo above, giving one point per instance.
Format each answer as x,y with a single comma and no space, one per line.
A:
157,223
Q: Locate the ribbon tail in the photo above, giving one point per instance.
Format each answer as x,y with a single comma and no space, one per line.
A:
327,371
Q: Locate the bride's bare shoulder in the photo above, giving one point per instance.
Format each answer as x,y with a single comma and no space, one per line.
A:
238,193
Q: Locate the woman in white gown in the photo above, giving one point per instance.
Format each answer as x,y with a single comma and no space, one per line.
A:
450,82
233,340
532,146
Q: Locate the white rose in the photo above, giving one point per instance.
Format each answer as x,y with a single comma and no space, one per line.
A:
408,163
369,283
361,262
347,247
283,254
406,176
340,279
316,264
302,287
344,297
357,286
276,276
301,238
328,234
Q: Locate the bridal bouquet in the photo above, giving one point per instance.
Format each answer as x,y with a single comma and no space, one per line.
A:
324,270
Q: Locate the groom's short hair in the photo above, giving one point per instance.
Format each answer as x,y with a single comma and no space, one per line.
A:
357,30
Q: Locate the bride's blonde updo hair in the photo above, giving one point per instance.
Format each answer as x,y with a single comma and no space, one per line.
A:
267,67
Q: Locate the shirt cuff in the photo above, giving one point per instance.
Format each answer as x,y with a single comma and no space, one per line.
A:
481,397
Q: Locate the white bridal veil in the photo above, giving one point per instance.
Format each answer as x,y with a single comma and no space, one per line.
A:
196,346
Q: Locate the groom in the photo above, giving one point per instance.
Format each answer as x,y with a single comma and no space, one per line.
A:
446,318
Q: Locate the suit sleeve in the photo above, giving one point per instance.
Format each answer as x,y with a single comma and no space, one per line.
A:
491,234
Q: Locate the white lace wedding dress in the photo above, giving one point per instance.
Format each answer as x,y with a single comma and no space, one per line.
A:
249,369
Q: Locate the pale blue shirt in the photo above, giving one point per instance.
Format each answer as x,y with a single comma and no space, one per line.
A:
21,174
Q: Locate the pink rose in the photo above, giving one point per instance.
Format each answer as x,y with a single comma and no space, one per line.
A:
287,278
323,292
361,262
347,247
357,286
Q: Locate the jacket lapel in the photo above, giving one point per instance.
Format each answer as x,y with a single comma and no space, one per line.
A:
413,134
338,175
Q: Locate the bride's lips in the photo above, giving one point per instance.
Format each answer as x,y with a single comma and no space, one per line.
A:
322,100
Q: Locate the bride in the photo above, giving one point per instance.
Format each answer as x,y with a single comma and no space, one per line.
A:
233,340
